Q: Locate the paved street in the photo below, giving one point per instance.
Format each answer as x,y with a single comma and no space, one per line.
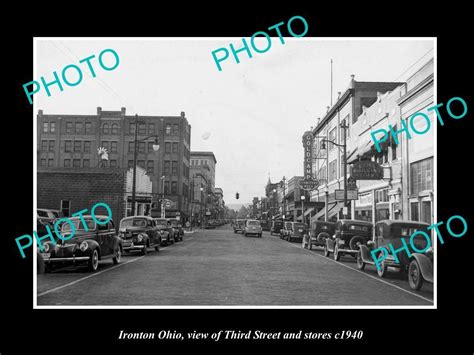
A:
218,267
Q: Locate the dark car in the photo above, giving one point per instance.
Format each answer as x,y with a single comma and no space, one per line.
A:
295,230
348,236
317,234
239,225
172,233
176,224
48,216
139,233
98,242
277,225
419,266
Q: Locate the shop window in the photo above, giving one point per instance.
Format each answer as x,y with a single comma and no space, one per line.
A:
421,175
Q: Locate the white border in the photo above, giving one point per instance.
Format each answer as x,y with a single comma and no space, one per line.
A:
435,288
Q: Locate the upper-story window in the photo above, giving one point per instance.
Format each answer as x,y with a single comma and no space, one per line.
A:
175,129
88,127
105,128
132,127
175,147
52,127
115,128
78,127
332,138
151,128
141,128
168,128
45,127
68,127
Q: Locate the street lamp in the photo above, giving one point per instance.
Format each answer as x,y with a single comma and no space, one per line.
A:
344,146
163,213
326,192
302,208
202,189
156,147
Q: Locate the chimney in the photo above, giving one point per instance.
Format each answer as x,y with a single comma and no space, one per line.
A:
99,111
352,81
319,118
123,110
338,95
40,113
327,109
182,114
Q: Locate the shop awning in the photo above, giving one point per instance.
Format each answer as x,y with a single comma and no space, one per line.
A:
360,151
334,209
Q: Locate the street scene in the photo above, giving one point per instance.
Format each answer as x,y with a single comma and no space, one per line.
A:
267,184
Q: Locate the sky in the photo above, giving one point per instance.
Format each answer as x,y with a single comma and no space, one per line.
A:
252,115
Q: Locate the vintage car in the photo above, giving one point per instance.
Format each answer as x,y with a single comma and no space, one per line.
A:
419,266
172,232
277,225
295,230
239,225
176,224
285,229
47,216
317,234
87,246
210,224
348,236
253,227
139,233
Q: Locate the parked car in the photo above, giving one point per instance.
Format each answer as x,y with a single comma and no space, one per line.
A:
139,233
418,267
285,230
47,215
210,224
176,224
348,236
99,242
239,225
172,233
277,225
295,230
317,234
253,227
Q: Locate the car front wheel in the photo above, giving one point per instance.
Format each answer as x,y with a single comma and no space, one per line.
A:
337,256
326,251
415,279
145,249
360,262
382,270
118,256
94,260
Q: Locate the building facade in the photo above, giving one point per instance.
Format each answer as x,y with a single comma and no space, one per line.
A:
71,141
202,174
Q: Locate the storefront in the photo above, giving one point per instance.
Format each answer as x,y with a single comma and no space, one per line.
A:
142,204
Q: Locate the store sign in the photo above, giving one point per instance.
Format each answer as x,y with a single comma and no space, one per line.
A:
308,140
139,199
367,170
309,185
351,194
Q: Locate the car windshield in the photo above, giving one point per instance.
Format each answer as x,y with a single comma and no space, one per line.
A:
66,227
406,232
356,227
42,214
253,223
300,225
163,222
174,223
133,222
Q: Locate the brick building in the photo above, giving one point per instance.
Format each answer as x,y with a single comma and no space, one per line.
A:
203,176
71,141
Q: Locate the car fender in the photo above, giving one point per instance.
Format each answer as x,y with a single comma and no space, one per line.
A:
330,244
426,266
365,253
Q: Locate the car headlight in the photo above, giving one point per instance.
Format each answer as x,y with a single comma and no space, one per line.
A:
139,238
83,246
45,248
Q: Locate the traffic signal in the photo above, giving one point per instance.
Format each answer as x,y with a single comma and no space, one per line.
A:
237,196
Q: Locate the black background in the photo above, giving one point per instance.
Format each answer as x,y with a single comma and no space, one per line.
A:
24,330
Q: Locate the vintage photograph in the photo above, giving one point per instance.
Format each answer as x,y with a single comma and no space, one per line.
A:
234,173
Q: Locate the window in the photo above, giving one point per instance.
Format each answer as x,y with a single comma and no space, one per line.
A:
381,196
50,162
174,167
131,147
43,162
174,187
65,207
76,163
131,128
421,174
141,147
86,163
167,147
141,128
150,166
426,212
151,128
150,147
333,170
68,146
51,146
332,138
78,127
414,211
105,129
167,167
393,145
130,164
167,187
175,147
45,127
77,146
88,127
87,146
141,163
168,128
105,144
44,145
175,129
113,163
67,163
115,128
68,127
113,146
52,127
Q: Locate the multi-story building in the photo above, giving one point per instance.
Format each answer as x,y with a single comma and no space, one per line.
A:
328,163
71,142
203,176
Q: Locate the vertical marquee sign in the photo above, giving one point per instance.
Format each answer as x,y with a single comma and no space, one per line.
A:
308,155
